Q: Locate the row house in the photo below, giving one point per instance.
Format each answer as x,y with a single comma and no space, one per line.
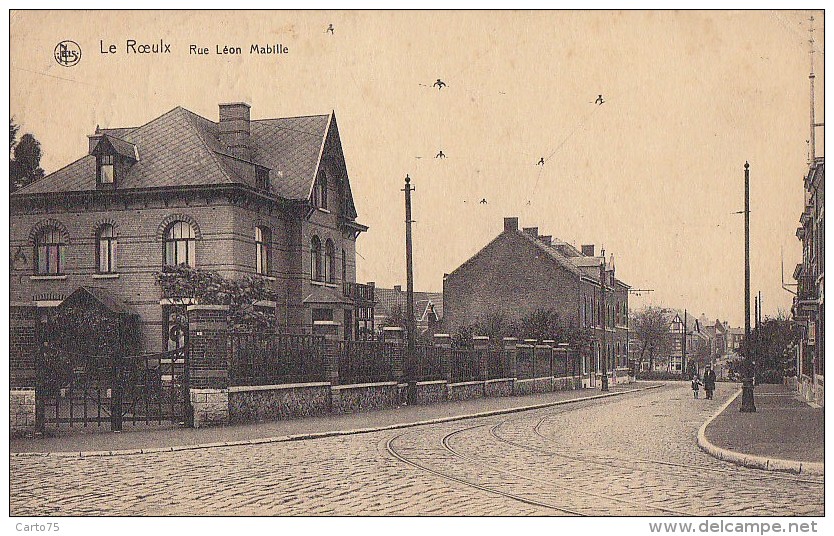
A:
808,308
268,198
521,271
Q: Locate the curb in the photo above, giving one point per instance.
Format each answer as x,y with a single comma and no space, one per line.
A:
749,460
320,435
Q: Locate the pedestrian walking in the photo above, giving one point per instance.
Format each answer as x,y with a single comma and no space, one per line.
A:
709,382
696,385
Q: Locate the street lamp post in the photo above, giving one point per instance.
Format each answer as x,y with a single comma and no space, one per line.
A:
748,404
602,347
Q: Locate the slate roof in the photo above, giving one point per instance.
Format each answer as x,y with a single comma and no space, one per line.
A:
181,148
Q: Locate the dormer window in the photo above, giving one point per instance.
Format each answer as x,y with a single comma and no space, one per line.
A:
106,169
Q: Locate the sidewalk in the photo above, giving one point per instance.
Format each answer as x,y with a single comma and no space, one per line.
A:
168,438
784,434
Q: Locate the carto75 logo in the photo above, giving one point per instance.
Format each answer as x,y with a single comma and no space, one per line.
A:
67,53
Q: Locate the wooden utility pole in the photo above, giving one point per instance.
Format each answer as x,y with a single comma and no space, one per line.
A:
409,309
684,369
747,403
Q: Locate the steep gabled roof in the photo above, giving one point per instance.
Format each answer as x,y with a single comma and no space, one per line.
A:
181,148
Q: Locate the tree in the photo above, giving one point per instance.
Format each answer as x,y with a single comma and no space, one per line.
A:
651,326
768,347
24,167
13,129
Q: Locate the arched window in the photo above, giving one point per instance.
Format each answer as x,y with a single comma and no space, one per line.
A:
50,252
180,245
329,262
263,239
315,259
106,249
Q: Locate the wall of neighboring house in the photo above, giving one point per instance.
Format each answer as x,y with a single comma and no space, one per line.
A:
510,276
325,225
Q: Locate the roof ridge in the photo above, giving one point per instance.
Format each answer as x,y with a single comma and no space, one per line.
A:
552,251
289,117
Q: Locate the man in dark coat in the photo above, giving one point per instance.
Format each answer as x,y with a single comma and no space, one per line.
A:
709,382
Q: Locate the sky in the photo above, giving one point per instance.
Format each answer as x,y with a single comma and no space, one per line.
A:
653,175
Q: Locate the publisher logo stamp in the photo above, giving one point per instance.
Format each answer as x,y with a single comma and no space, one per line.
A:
67,53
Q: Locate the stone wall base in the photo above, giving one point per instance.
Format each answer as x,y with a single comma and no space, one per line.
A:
500,387
22,413
466,390
432,392
278,402
211,407
361,397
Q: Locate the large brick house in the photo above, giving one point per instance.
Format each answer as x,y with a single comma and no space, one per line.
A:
520,272
269,198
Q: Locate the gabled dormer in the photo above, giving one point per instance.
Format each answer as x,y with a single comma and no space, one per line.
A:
114,157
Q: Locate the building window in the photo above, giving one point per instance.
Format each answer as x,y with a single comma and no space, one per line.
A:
329,262
180,245
106,249
315,259
344,266
322,315
262,247
106,169
50,252
261,178
320,190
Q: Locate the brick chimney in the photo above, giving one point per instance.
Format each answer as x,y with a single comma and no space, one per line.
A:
511,224
532,231
233,129
398,288
588,250
547,239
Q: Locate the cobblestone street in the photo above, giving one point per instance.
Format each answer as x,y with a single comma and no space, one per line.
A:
633,454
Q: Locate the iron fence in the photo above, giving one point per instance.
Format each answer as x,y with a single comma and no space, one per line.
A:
365,361
466,365
269,359
427,362
497,364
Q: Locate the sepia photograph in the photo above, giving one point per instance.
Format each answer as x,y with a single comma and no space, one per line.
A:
435,263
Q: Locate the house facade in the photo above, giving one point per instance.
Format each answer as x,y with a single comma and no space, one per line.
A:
520,272
808,305
268,198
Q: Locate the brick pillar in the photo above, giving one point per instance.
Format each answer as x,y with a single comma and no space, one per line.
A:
208,363
393,339
481,344
330,349
23,345
25,417
550,343
443,343
510,356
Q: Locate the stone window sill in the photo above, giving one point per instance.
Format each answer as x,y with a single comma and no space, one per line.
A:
105,276
47,277
323,210
267,277
317,283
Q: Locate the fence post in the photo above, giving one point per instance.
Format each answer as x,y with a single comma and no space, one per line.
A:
443,343
481,344
208,363
393,339
509,344
330,350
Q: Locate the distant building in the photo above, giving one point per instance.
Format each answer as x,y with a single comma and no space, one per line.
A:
428,306
520,272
